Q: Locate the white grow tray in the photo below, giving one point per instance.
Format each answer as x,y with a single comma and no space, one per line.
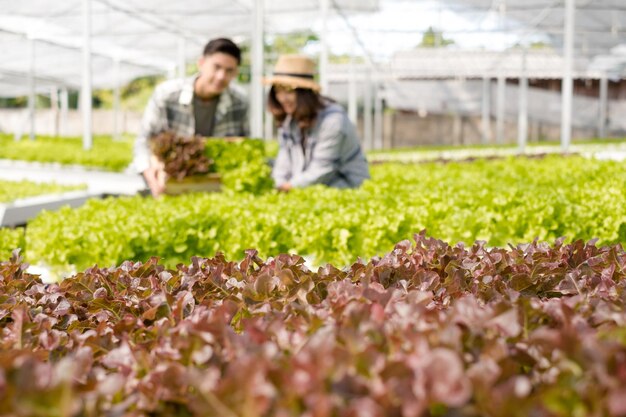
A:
20,211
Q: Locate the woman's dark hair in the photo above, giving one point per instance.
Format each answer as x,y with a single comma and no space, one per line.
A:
308,105
225,46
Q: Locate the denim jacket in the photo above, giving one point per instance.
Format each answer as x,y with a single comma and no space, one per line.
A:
332,154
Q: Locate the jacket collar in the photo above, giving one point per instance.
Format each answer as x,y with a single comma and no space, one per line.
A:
186,93
186,97
224,104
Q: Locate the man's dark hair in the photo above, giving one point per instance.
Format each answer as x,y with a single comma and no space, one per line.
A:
225,46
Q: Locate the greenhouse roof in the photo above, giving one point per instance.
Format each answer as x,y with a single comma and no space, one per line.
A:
599,26
440,63
145,36
513,63
154,36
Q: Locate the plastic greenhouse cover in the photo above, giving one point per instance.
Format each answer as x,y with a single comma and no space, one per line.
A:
599,24
143,35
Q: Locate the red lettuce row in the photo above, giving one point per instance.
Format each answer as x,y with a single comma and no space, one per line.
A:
428,330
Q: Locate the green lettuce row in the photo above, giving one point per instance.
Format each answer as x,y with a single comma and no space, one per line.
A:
13,190
242,164
500,202
11,239
106,153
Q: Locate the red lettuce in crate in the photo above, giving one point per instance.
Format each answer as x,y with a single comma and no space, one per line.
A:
182,156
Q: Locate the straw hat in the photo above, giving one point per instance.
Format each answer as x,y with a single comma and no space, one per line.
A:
295,71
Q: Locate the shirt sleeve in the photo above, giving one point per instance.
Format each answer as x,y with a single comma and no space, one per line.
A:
154,121
326,153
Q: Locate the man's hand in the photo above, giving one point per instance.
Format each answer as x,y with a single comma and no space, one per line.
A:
285,187
155,177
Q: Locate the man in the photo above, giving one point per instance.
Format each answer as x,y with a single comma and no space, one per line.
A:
204,104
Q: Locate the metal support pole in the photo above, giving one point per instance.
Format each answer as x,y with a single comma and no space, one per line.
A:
502,15
64,101
457,128
323,71
486,111
85,92
439,30
500,110
32,97
116,101
522,115
256,102
182,58
367,111
378,117
603,109
567,86
54,107
352,99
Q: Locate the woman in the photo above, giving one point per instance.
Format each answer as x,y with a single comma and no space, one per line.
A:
318,143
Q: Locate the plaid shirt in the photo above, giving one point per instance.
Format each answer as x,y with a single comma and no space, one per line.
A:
171,108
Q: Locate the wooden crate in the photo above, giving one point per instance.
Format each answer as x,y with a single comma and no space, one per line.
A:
198,183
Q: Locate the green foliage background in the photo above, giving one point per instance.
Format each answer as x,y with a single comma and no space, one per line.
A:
11,239
13,190
106,153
